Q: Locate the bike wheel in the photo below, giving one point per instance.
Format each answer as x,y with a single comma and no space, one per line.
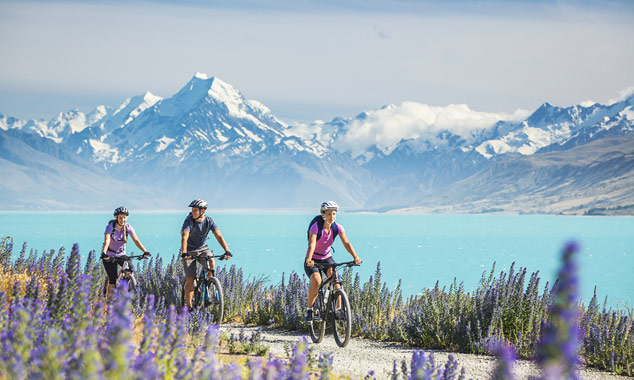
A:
197,295
215,302
183,295
317,328
132,283
341,319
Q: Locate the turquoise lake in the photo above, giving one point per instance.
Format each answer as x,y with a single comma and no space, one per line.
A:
419,249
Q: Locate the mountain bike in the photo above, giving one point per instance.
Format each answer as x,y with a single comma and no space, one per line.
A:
208,293
331,306
126,275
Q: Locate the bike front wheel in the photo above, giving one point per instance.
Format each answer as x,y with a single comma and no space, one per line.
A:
126,283
215,302
341,318
317,328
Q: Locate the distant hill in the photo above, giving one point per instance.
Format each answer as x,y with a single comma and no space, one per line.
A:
596,175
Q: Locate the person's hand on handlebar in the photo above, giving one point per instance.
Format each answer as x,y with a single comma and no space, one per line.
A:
146,255
186,255
357,260
226,256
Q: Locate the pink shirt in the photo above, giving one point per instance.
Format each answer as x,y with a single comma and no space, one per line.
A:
322,248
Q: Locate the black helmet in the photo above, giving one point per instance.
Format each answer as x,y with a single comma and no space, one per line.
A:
121,210
198,203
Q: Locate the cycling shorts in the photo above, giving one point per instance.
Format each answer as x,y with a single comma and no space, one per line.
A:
310,270
190,264
112,269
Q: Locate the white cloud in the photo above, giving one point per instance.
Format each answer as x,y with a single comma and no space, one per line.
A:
385,127
623,94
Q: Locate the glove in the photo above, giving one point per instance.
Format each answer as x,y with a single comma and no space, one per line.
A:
146,255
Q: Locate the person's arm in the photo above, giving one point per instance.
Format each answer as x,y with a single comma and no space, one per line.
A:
222,242
106,244
312,242
184,237
138,243
348,246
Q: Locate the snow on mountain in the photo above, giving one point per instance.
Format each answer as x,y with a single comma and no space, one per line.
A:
551,126
8,122
206,117
207,138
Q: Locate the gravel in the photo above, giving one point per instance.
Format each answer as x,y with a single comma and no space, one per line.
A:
363,355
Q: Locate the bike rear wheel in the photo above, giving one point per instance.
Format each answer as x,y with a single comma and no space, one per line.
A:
317,328
342,318
215,302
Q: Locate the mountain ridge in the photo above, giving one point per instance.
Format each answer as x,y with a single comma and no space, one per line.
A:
208,139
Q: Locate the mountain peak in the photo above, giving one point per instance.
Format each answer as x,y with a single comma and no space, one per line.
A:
202,76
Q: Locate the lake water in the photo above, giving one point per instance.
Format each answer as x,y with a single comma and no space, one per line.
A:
419,249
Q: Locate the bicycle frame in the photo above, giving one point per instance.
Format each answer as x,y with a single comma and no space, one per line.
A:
204,285
326,309
125,273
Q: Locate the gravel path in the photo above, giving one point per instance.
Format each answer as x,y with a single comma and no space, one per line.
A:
363,355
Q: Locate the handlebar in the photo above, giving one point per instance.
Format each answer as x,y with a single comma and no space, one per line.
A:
126,258
326,266
186,255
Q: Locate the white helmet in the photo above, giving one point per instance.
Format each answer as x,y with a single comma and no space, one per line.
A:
329,205
198,203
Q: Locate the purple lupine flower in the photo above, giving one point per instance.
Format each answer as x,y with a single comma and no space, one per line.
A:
505,360
422,366
558,349
325,365
256,372
299,362
450,370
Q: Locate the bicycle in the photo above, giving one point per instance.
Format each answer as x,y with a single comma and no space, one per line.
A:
208,293
125,273
325,308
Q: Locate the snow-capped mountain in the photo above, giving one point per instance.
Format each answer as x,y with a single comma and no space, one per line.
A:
554,127
208,141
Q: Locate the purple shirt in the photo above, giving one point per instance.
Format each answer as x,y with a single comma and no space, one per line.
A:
117,245
322,247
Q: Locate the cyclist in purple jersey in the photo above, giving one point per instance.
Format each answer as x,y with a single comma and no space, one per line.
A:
319,250
115,239
194,233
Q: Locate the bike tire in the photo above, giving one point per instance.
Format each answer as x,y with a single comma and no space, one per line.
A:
342,325
215,303
197,295
317,328
183,295
132,282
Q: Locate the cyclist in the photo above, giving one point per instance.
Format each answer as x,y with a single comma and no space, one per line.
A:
115,239
321,235
194,233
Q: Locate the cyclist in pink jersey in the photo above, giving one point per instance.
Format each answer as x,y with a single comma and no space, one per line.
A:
114,242
321,236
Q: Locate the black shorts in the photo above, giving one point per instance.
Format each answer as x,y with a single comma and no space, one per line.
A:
112,269
310,270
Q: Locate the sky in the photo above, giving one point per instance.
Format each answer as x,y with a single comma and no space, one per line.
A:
316,60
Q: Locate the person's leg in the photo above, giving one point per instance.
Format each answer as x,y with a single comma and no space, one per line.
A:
111,268
315,282
189,265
